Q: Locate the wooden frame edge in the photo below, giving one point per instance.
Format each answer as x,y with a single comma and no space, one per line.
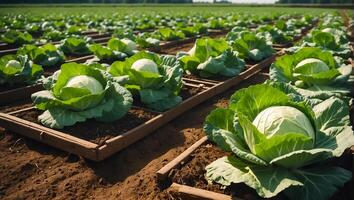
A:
187,192
49,136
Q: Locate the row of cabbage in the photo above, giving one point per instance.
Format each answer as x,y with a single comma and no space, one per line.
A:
104,87
19,29
284,134
126,43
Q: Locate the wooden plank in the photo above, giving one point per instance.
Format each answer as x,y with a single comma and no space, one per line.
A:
49,136
187,192
195,86
81,59
162,174
206,80
20,111
199,81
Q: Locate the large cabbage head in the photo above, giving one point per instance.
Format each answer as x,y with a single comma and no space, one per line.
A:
277,120
280,143
78,92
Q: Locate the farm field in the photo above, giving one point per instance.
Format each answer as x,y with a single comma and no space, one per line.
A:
174,102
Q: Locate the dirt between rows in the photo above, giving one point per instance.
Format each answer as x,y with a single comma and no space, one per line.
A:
32,170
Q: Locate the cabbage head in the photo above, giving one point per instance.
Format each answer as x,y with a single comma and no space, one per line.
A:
211,57
79,92
279,144
155,80
145,65
315,70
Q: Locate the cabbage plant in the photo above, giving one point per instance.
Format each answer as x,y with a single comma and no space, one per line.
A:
273,35
157,80
79,92
279,144
18,70
146,40
252,47
326,41
116,49
47,55
16,37
168,34
74,46
313,69
211,57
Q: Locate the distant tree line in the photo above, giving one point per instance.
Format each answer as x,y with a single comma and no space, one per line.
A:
95,1
315,1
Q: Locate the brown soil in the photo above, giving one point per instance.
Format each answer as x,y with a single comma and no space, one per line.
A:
177,48
31,170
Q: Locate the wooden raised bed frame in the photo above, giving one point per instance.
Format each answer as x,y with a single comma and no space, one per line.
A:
97,152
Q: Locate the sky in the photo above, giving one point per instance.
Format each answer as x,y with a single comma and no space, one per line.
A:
243,1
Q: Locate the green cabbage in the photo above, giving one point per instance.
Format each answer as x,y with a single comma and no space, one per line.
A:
211,57
315,70
19,70
79,92
156,80
278,143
